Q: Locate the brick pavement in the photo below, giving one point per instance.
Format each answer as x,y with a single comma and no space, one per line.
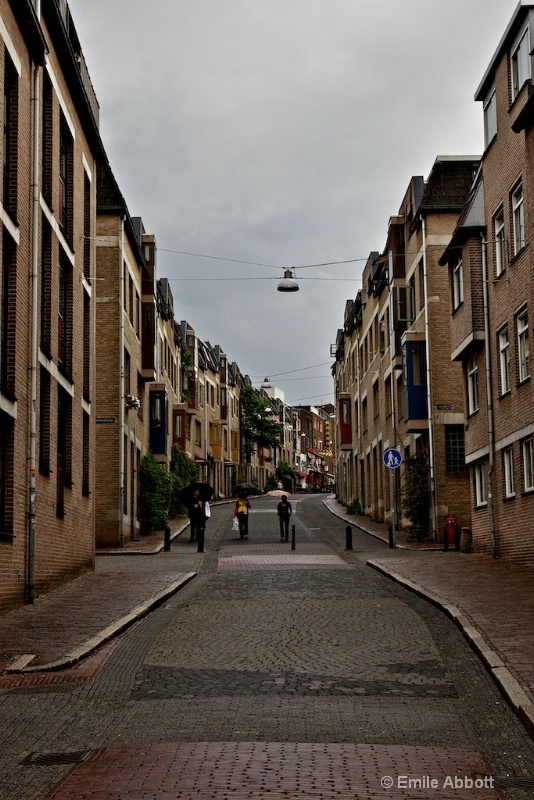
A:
279,771
492,601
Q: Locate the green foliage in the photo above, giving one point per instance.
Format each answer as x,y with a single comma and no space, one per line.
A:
184,471
271,482
416,496
155,494
258,427
186,362
286,474
354,508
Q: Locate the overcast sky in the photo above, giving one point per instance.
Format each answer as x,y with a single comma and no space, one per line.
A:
283,132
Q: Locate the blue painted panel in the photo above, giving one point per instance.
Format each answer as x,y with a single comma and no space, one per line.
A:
158,422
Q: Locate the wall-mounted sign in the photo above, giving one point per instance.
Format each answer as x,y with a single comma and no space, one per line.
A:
104,420
445,406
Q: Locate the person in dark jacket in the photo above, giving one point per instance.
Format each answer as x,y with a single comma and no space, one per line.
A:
197,515
284,512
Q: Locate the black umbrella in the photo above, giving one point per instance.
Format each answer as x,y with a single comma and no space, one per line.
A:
245,488
204,489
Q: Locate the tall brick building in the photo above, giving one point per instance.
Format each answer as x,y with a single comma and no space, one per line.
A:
491,273
49,151
395,383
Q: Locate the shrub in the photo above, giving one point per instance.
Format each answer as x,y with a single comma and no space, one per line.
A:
155,494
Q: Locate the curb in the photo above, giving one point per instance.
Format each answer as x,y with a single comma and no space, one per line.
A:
19,666
509,686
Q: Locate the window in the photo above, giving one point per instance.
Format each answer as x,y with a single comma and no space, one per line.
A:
472,386
86,455
454,449
522,346
520,59
498,233
528,464
64,328
6,474
47,139
490,117
64,449
457,284
46,287
479,471
44,421
198,433
65,178
504,359
508,472
7,314
86,380
518,214
10,136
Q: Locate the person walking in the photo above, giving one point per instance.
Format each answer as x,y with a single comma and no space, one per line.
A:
197,515
241,511
284,512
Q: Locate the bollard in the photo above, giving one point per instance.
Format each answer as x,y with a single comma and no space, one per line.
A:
293,537
167,540
391,539
200,540
466,541
348,538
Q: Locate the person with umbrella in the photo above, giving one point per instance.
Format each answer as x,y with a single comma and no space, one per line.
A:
241,510
197,515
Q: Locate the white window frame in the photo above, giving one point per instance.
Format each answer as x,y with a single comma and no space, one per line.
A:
479,475
522,346
503,340
457,284
500,242
490,117
520,62
528,464
508,472
472,386
518,216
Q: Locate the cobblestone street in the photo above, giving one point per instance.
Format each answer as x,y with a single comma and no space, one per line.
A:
273,673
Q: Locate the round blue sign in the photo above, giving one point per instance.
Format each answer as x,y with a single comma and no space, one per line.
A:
392,458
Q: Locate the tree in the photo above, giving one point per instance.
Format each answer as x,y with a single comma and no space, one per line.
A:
258,428
286,474
416,496
184,471
155,494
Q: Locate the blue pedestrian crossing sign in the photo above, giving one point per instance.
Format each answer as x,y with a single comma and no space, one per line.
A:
392,458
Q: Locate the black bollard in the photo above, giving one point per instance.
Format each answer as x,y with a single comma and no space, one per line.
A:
391,540
348,538
293,537
200,540
167,540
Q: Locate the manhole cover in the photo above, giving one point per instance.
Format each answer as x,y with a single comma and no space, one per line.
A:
48,759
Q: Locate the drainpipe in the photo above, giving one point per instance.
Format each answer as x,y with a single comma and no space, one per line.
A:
359,468
489,396
122,290
393,485
34,358
433,498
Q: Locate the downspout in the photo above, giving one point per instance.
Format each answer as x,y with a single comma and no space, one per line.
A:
34,358
433,498
121,383
489,396
393,480
359,468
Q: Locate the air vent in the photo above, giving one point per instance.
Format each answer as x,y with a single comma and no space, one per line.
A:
48,759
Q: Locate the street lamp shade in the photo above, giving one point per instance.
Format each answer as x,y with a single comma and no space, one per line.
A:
288,283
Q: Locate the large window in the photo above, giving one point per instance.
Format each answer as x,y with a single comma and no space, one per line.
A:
65,210
7,314
6,474
504,359
518,215
522,346
457,284
472,386
454,449
498,233
64,328
508,472
528,464
520,59
10,136
490,117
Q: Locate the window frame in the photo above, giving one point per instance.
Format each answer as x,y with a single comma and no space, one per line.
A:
500,241
479,477
508,473
520,65
523,355
490,117
527,455
457,284
517,200
472,387
503,346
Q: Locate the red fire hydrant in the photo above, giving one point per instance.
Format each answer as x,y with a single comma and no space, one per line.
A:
450,532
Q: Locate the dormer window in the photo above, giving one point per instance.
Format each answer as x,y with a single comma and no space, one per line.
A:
520,62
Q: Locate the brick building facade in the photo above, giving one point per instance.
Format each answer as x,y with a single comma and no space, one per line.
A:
50,146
